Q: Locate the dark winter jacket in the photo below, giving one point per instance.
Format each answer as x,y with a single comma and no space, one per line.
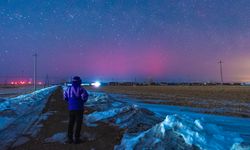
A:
76,96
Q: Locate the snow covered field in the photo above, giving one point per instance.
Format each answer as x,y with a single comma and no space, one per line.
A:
159,126
20,117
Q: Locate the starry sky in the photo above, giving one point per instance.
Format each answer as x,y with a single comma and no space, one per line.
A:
107,40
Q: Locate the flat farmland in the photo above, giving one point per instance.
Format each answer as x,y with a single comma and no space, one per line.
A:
222,100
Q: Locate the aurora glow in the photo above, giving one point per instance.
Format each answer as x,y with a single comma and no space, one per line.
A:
121,40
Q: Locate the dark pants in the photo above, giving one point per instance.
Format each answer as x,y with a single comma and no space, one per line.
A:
75,116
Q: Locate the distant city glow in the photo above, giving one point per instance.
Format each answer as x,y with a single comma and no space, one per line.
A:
23,82
20,82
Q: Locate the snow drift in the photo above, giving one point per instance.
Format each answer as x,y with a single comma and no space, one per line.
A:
17,115
176,130
145,129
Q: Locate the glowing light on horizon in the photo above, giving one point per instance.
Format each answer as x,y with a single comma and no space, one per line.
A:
96,84
22,82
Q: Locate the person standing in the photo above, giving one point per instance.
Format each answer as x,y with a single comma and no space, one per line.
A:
76,96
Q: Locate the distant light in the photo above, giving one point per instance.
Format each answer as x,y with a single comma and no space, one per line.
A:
85,84
40,83
96,84
22,82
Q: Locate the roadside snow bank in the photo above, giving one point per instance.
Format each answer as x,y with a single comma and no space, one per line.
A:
132,118
158,137
97,116
18,114
176,130
129,117
26,101
146,130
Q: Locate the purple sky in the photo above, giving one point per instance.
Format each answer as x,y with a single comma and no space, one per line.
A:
166,40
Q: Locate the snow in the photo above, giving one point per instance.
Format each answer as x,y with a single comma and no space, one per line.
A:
97,116
22,115
194,132
5,121
88,136
60,137
155,126
238,146
147,126
2,100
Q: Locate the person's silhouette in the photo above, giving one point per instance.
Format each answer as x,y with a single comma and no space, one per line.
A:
76,96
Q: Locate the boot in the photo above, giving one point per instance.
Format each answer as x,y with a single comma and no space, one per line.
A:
77,141
69,141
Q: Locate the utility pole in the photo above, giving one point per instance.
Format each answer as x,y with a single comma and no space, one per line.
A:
47,81
221,72
35,71
135,82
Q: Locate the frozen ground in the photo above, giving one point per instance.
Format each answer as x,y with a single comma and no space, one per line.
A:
20,117
15,91
154,126
219,100
61,137
147,126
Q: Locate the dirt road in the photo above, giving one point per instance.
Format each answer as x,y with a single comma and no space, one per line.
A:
104,136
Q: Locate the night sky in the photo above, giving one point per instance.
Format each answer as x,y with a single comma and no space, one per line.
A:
163,40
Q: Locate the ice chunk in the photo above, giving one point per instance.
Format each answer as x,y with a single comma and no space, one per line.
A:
5,121
88,136
180,131
58,137
239,146
97,116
